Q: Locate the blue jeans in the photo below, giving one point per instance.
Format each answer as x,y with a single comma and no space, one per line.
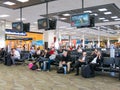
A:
49,63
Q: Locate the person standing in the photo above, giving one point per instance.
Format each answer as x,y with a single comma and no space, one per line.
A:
112,51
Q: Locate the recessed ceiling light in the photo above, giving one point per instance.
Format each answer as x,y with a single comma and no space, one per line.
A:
101,18
114,17
118,26
9,3
95,14
67,14
88,11
106,20
106,13
63,18
117,19
4,15
23,1
102,9
18,19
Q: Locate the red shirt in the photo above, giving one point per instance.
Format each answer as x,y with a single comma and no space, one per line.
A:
51,52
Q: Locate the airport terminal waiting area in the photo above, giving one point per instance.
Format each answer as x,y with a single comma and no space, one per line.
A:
108,70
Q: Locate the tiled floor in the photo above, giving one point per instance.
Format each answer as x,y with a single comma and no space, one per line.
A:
21,78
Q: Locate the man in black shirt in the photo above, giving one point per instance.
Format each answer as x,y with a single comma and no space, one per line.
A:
82,60
65,60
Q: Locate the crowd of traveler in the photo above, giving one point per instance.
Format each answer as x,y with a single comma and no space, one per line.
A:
63,57
42,59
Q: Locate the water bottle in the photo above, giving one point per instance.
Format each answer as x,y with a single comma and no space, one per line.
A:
44,65
65,71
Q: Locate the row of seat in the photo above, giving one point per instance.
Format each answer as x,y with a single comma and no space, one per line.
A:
110,65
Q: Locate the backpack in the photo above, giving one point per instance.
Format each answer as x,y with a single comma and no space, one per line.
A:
32,66
60,70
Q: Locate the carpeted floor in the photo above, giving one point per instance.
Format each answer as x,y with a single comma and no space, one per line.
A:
21,78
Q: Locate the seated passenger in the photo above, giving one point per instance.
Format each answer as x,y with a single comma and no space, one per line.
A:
37,52
44,56
2,52
32,52
52,50
65,60
15,55
82,60
94,53
79,49
51,60
96,62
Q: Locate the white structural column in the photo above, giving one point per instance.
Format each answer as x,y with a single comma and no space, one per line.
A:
119,39
98,38
49,37
93,42
2,34
108,43
98,41
70,42
57,39
83,40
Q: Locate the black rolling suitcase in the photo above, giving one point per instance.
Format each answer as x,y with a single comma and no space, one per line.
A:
86,71
8,60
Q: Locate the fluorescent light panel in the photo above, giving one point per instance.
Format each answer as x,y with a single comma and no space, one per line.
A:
67,14
117,19
101,18
63,18
117,25
106,20
23,1
18,19
102,9
88,11
113,17
106,13
94,14
9,3
4,15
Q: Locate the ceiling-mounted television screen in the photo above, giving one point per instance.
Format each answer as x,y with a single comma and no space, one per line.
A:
47,24
52,24
80,20
43,23
26,27
17,26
